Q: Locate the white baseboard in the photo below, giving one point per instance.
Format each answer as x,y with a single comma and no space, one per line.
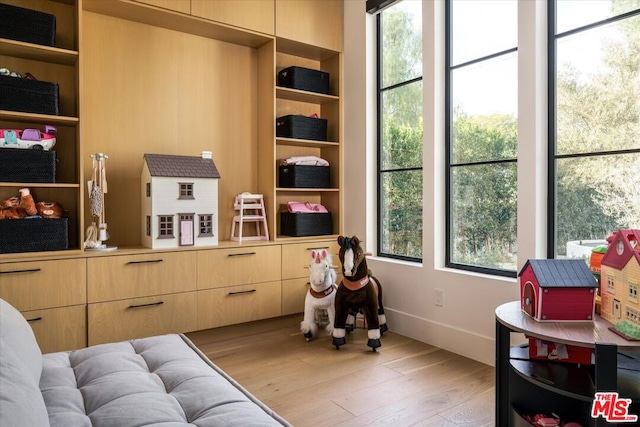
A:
464,343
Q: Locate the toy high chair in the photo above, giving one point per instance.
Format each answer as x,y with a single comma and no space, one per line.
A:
250,209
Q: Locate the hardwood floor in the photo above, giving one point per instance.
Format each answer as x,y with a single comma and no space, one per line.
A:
404,383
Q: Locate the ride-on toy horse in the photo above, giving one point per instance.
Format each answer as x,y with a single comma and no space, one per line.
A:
357,291
321,295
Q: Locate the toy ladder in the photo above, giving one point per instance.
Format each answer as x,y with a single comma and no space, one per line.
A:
250,208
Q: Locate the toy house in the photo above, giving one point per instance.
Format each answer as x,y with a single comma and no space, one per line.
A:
179,201
553,290
620,279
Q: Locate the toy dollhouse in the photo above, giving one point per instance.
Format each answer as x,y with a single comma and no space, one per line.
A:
620,281
179,201
553,290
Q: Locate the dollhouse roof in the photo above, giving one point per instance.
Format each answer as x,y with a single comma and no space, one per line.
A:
623,245
561,273
166,165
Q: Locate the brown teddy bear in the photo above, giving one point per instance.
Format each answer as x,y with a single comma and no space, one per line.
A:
50,209
18,207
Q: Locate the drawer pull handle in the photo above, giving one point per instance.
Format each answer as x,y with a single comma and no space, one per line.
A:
32,270
35,319
145,262
315,249
242,292
243,254
146,305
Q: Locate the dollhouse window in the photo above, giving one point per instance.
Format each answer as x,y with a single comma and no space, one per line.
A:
206,225
186,190
611,284
148,188
148,225
165,227
633,292
633,316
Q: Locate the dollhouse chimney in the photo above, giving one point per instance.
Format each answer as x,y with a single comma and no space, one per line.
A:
206,155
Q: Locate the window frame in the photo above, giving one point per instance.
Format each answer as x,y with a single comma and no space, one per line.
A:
449,166
380,90
553,157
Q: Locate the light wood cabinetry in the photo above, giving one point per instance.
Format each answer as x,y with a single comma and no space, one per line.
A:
256,15
312,22
58,64
238,285
52,297
183,6
132,276
142,317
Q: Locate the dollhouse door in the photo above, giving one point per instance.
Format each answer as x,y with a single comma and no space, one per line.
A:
529,299
617,310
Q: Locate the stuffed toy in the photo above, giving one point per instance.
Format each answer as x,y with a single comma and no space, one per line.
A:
50,209
321,294
18,207
359,290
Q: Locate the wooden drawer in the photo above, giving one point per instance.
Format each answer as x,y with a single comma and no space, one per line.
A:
142,317
238,304
298,257
227,267
36,285
121,277
59,329
294,292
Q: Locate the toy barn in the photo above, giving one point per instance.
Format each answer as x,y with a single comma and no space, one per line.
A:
553,290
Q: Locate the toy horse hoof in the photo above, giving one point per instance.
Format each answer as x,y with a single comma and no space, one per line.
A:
348,328
308,336
337,342
373,343
383,328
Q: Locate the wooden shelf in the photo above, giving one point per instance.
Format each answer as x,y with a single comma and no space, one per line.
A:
306,143
306,190
38,118
304,96
38,185
38,52
151,15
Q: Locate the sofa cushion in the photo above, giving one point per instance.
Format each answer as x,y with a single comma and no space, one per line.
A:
157,380
17,334
21,402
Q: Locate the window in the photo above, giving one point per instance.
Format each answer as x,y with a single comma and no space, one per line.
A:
206,225
186,190
481,84
611,285
400,130
148,188
594,87
633,292
165,226
633,316
148,225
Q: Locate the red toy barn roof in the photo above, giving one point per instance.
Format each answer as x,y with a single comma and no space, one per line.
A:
561,273
624,246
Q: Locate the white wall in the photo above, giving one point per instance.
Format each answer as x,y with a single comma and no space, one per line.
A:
466,322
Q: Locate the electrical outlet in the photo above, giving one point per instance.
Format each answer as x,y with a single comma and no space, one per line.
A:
439,298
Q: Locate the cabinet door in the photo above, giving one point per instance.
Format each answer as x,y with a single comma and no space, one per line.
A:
256,15
298,257
314,22
224,267
238,304
141,317
120,277
183,6
294,292
59,329
37,285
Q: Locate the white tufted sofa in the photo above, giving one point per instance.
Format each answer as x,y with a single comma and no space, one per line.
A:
163,380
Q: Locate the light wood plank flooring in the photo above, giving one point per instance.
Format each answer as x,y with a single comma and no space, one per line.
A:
404,383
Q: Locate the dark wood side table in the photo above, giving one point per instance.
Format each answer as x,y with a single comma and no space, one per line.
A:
542,386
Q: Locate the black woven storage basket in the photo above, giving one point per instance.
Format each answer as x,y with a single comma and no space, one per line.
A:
303,224
304,176
301,127
27,165
31,26
29,96
304,79
34,235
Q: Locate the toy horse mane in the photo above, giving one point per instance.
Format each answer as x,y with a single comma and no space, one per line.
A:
360,268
